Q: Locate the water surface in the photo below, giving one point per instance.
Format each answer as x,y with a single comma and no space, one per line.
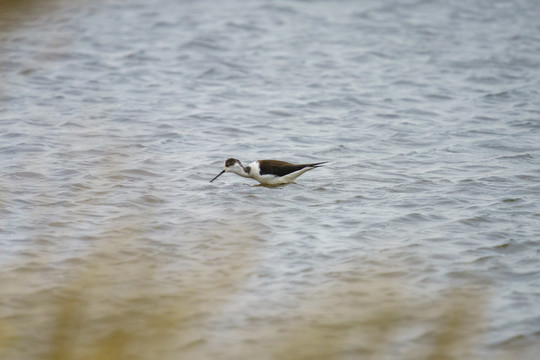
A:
115,116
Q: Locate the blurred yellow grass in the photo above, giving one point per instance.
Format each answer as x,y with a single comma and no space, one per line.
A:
117,308
119,303
388,323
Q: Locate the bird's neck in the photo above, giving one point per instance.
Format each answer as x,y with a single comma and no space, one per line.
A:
244,172
247,171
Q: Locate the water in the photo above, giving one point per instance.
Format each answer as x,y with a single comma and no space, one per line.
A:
115,115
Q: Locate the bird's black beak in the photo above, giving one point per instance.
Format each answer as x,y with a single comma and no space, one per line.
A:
218,175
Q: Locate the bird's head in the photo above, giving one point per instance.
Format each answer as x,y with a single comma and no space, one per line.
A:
231,165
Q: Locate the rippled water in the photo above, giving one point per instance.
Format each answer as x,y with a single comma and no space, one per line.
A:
115,115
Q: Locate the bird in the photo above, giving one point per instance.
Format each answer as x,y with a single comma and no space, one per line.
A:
268,172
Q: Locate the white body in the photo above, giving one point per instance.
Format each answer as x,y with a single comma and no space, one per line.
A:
266,179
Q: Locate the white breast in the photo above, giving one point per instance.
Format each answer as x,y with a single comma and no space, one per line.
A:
255,173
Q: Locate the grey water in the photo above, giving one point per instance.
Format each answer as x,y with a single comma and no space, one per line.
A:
116,114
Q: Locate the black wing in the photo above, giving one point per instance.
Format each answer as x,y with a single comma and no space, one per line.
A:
282,168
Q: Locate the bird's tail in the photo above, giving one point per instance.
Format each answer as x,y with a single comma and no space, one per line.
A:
314,165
